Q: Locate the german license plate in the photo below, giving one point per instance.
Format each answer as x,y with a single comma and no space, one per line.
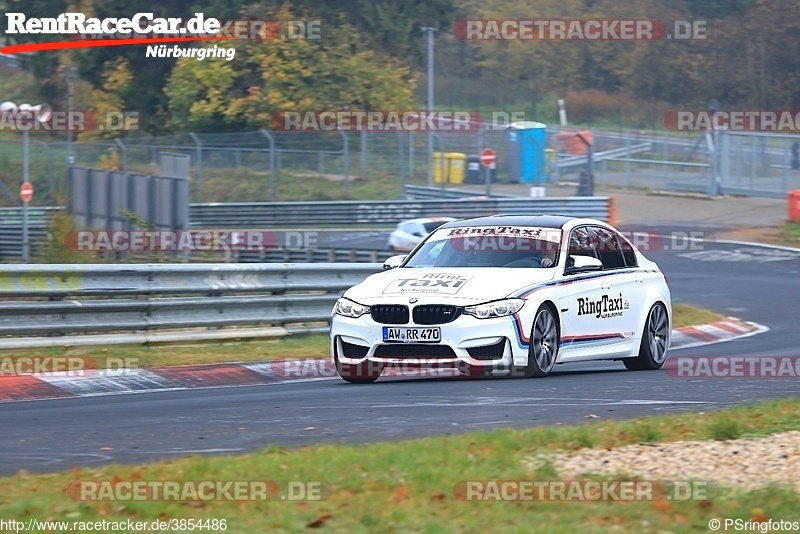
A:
412,334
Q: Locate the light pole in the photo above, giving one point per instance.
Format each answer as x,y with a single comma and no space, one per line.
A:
25,117
430,31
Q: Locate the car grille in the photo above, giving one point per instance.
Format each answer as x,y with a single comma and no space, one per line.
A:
488,352
435,314
415,351
351,350
389,313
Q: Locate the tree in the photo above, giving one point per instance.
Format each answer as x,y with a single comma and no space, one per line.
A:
283,75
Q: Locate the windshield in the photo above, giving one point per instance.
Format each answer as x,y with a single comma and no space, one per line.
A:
505,246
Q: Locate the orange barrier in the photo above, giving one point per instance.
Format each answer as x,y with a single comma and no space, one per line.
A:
612,211
793,199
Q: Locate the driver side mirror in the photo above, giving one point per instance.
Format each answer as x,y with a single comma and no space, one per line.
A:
583,264
394,261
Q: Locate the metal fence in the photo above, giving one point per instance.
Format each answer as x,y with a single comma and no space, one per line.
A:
267,165
71,299
11,229
101,199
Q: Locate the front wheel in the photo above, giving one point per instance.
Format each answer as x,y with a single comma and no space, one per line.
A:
543,349
361,373
653,348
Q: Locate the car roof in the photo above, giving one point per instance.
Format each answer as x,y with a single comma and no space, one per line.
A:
428,219
541,221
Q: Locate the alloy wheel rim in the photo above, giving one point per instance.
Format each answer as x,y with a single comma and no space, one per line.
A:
545,340
658,335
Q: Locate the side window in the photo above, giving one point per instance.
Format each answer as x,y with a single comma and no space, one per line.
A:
608,248
581,243
627,252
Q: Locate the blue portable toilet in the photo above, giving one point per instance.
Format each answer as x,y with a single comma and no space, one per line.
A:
527,141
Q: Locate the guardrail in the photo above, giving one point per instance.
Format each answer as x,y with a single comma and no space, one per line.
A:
328,214
426,192
135,298
310,255
372,213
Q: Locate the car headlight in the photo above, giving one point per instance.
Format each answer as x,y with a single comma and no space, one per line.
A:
349,308
498,308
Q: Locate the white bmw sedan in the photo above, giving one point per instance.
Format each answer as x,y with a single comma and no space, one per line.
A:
506,295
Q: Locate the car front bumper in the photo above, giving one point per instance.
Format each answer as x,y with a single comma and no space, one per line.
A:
466,341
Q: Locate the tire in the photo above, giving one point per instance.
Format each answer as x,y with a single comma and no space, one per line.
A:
653,348
360,373
543,348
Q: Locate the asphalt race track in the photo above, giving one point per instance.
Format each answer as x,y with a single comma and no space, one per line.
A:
752,283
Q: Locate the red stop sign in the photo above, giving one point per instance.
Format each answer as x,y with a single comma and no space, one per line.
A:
487,157
26,192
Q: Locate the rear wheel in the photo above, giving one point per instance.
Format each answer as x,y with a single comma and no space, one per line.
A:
543,349
653,348
361,373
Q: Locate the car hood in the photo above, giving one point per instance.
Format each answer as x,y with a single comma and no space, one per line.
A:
466,285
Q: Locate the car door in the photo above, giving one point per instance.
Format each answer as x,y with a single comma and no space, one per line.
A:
617,254
593,309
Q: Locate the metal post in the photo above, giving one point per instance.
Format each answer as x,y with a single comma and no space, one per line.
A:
627,158
444,177
363,167
346,164
25,242
70,105
665,151
411,169
402,160
487,170
51,180
198,165
25,179
752,162
271,165
430,31
124,150
25,175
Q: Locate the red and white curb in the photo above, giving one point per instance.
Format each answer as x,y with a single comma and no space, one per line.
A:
128,381
706,334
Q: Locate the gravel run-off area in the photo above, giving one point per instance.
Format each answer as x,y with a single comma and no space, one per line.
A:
746,463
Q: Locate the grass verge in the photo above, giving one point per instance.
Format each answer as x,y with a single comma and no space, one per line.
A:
311,346
790,234
409,485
